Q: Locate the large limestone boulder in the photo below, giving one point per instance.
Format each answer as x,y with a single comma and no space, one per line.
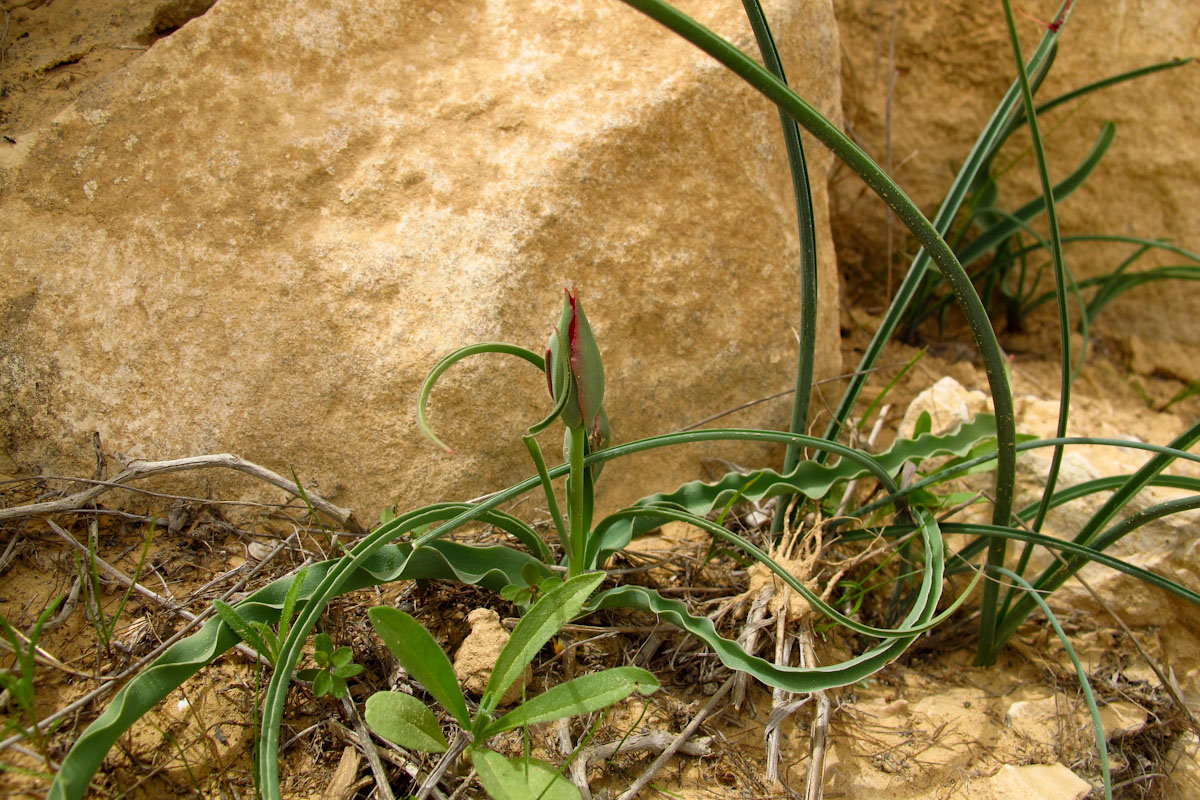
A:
953,63
259,235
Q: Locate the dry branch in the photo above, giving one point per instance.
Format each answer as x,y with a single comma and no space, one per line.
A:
139,470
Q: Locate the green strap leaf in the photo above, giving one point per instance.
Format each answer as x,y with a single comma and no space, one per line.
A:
417,651
545,618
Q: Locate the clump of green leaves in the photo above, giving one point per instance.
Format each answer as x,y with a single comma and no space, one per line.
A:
262,637
404,720
334,666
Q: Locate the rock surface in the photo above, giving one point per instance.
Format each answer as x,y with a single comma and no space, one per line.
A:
948,405
259,235
953,62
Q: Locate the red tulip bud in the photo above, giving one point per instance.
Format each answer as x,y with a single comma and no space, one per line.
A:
573,365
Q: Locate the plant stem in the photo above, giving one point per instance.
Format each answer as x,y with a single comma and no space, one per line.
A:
548,489
575,508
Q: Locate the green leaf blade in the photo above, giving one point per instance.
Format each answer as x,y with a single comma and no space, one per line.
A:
242,627
520,779
404,720
579,696
546,618
416,649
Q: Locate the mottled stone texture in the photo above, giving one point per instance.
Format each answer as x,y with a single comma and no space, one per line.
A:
953,63
259,235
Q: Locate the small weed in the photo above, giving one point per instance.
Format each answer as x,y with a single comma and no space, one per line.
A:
18,681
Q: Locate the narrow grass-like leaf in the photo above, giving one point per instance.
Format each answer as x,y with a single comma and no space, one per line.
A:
520,778
404,720
1004,228
545,618
802,193
908,213
1116,285
247,632
453,358
974,166
578,696
1103,83
962,558
1057,574
417,651
1191,390
289,603
1080,672
879,398
963,467
990,606
539,463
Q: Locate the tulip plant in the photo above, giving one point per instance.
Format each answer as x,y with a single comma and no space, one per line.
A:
413,546
575,378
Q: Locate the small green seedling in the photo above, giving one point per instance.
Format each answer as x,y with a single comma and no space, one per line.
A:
89,573
258,634
408,722
334,667
19,682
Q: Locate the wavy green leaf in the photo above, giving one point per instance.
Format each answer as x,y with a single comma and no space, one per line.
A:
732,655
810,478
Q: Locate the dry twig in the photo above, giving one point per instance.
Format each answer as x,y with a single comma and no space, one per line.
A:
368,749
139,470
814,788
675,746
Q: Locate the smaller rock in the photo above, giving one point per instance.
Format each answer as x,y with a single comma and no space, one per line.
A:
1183,769
1122,718
1035,720
478,653
1035,782
948,403
1168,359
